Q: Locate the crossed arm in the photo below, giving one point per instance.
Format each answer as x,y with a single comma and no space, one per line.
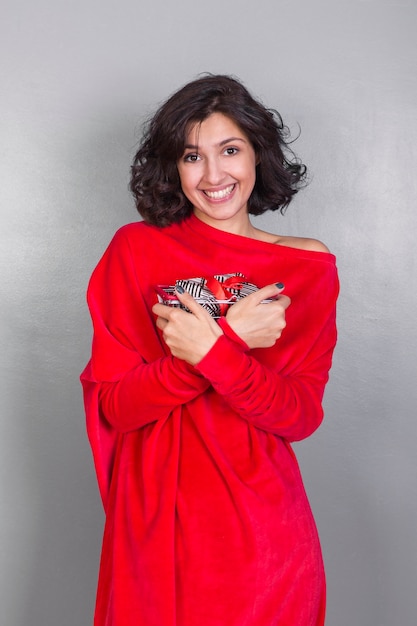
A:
191,337
202,356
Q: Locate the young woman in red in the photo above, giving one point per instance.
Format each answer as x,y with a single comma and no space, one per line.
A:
191,410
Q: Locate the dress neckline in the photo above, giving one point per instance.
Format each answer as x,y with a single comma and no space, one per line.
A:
241,241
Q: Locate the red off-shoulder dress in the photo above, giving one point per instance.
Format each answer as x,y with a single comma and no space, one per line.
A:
207,520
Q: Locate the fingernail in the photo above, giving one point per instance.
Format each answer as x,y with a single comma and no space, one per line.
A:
179,289
280,285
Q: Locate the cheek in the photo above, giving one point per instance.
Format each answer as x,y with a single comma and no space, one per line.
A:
188,180
247,166
248,173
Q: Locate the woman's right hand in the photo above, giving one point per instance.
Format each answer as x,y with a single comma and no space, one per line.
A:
259,324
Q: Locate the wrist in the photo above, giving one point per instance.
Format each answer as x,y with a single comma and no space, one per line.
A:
205,346
231,334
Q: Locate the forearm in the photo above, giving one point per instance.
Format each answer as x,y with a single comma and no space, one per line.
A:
289,406
149,392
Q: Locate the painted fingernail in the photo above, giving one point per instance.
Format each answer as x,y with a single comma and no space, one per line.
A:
280,285
179,289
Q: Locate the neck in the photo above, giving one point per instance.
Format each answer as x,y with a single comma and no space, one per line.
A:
240,225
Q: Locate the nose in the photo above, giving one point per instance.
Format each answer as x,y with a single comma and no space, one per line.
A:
213,173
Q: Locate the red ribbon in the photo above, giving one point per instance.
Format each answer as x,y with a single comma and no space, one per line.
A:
222,291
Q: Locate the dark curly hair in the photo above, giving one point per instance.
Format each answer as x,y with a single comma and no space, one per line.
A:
155,182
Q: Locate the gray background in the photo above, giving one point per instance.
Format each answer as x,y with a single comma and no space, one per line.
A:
77,79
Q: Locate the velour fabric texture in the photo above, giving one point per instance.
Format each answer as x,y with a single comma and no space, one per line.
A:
207,519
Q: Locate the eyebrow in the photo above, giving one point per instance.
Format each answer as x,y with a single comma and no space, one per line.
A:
222,143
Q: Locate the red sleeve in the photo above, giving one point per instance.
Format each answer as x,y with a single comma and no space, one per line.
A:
139,381
230,333
130,380
149,392
288,404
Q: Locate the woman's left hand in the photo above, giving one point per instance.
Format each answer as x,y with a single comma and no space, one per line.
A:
189,336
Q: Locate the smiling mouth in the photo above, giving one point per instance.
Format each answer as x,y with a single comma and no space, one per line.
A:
222,193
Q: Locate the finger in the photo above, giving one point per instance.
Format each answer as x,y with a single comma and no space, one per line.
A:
161,322
161,310
284,301
267,293
187,300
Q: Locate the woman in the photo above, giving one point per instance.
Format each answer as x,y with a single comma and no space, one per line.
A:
190,416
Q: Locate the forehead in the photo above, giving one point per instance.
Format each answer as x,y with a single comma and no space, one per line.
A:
213,130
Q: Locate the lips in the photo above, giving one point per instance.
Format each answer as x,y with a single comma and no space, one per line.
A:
220,194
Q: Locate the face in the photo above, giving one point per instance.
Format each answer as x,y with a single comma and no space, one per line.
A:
217,172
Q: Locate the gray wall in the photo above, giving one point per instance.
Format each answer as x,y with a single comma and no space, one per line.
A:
77,79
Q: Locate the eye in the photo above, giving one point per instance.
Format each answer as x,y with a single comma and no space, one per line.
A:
231,150
192,157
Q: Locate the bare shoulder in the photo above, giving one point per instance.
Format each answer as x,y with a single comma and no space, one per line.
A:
303,243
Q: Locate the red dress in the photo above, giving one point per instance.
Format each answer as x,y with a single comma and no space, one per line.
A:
207,520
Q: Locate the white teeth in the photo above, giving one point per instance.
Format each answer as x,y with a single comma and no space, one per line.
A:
217,195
